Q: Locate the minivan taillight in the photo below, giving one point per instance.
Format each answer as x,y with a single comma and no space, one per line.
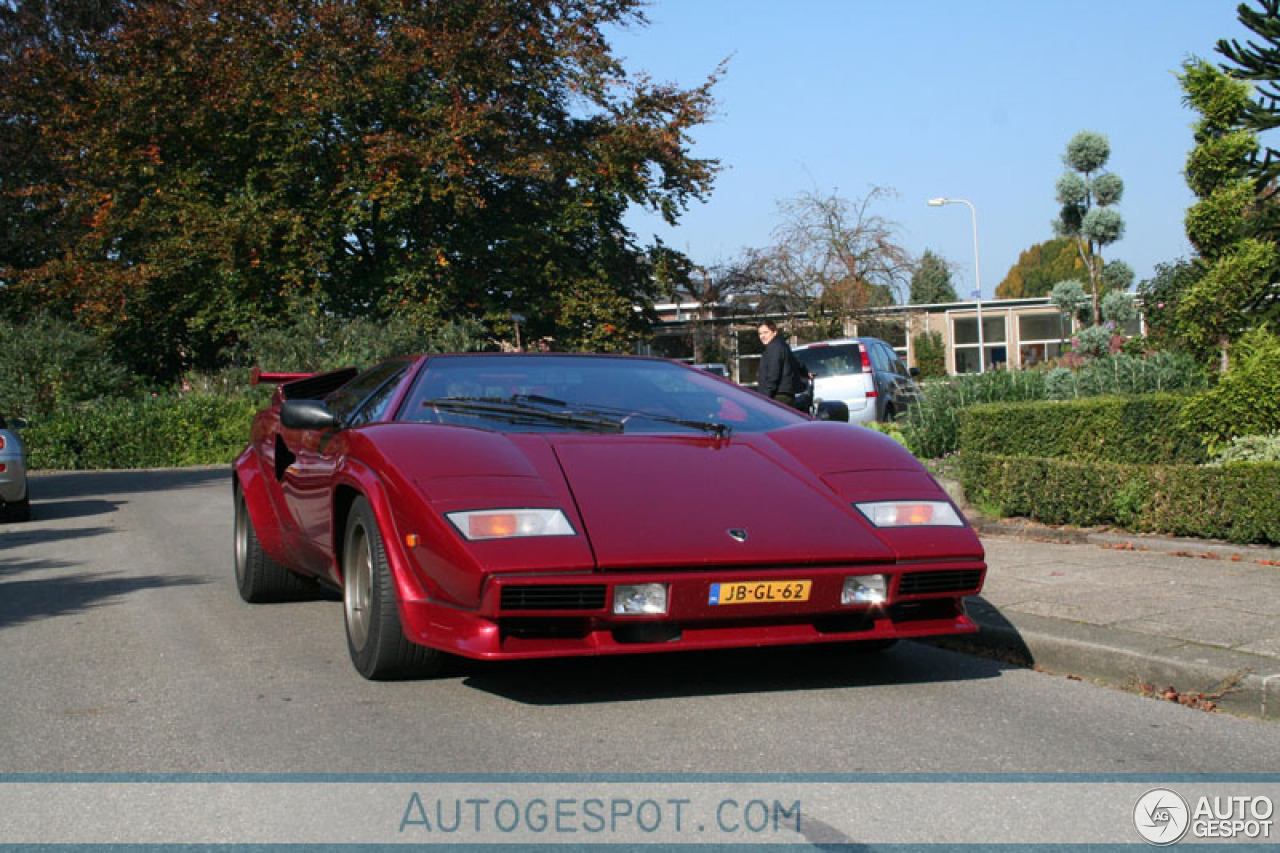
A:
1,442
866,369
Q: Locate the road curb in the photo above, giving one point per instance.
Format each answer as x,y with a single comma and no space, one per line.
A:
1126,541
1238,682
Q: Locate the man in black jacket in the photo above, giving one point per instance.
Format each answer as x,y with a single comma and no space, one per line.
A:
780,374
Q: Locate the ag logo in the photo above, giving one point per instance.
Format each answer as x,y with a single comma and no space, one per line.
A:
1161,816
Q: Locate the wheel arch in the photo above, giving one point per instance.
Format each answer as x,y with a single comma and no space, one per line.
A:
247,480
358,481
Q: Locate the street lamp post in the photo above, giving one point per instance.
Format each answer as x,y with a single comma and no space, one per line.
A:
977,274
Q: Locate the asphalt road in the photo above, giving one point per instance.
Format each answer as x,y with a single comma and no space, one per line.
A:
125,648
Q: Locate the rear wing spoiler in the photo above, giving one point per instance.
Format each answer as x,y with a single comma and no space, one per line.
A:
304,386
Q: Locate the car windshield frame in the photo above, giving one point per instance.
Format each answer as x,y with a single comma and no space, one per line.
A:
585,393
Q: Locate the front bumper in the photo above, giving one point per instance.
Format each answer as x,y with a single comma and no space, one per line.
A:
550,615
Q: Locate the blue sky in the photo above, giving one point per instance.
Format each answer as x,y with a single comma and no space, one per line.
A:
972,99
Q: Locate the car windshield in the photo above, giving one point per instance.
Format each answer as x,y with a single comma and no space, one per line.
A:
831,359
547,393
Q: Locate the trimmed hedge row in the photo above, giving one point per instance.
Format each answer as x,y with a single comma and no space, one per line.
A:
1142,429
1239,502
149,432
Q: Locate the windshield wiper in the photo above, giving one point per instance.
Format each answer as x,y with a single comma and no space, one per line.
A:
717,429
599,417
523,409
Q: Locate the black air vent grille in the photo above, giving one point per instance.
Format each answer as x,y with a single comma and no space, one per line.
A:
929,583
554,597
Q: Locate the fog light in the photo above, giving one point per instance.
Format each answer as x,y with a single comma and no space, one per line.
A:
636,599
865,589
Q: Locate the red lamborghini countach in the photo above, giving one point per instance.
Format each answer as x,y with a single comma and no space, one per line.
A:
504,506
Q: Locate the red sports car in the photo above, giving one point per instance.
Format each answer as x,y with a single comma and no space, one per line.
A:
502,506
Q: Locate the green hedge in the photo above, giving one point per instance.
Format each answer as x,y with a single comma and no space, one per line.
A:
1141,429
149,432
931,427
1239,502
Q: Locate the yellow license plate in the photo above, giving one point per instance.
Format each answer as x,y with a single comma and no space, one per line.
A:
759,592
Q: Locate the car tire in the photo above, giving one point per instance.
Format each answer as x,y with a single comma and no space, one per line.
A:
259,578
16,510
375,637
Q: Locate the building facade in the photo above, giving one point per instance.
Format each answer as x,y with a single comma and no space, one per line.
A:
1015,333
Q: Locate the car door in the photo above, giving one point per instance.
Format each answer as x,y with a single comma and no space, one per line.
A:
307,484
899,388
880,376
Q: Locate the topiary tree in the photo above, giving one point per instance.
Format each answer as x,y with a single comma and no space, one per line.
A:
1087,195
1118,308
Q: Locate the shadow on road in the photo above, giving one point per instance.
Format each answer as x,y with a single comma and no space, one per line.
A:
43,536
30,600
623,678
46,510
998,640
65,485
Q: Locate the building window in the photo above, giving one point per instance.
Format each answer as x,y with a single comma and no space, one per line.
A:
964,335
1040,337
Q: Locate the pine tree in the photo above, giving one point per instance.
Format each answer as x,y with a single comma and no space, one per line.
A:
931,282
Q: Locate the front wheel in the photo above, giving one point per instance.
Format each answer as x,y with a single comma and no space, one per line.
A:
375,637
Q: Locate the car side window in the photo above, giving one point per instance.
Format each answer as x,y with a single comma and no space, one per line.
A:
349,401
897,366
375,405
878,359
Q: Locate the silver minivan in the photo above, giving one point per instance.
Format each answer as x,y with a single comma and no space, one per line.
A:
863,373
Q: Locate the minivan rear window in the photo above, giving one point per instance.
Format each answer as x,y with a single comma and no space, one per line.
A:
832,360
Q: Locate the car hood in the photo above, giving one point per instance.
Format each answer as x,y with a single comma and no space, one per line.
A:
674,501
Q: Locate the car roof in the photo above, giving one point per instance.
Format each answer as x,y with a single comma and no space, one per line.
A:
836,341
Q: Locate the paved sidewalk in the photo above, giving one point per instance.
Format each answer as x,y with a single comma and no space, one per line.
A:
1189,620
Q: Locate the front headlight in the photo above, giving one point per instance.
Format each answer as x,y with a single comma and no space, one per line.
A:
911,514
510,523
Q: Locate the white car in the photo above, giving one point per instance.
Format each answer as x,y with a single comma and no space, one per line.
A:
863,373
15,501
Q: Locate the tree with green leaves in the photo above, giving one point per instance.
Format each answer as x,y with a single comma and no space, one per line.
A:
1042,266
174,179
931,281
1220,304
1160,296
1088,194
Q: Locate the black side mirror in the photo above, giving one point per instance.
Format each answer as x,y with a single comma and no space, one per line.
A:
17,423
307,414
832,410
915,372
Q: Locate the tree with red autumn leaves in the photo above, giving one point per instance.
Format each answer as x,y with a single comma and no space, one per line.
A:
175,174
